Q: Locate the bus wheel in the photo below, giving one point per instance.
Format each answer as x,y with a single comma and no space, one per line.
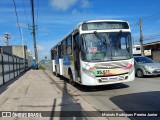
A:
71,79
56,74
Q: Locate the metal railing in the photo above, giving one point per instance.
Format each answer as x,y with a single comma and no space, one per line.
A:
11,66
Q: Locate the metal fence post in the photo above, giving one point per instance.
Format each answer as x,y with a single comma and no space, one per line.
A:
2,65
19,66
9,68
13,64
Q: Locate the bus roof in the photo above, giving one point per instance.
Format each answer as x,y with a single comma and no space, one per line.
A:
89,21
99,21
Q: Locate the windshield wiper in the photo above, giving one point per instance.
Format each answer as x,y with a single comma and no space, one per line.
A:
103,39
84,43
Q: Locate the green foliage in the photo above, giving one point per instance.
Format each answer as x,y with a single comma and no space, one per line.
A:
40,67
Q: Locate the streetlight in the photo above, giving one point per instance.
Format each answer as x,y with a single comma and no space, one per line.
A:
7,36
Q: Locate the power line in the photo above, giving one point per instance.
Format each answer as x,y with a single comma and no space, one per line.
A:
37,10
24,8
147,19
149,36
152,36
15,8
151,16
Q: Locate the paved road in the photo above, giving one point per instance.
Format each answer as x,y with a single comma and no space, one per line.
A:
36,91
142,94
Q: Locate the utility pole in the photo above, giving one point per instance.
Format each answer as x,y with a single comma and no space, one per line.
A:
23,47
132,41
33,27
7,36
141,37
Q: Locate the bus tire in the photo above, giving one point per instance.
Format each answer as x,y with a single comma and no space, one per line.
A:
71,81
56,73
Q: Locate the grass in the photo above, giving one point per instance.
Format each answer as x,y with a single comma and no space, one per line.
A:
40,67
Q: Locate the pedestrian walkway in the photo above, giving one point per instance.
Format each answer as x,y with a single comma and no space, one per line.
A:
35,91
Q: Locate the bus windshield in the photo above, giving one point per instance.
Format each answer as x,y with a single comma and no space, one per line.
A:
106,46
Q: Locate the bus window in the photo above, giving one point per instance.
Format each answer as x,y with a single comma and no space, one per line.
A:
56,51
52,55
61,47
59,51
69,45
64,47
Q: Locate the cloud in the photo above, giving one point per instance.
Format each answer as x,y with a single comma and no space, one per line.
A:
44,30
85,3
75,18
2,38
62,4
40,48
44,47
22,25
75,12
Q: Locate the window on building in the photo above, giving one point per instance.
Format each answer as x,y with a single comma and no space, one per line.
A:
138,48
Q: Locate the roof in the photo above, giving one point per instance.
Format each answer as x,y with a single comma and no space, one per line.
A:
152,43
105,21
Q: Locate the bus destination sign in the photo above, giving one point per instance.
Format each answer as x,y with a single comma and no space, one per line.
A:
105,25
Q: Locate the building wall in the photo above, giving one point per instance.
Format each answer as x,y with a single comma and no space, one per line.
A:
15,50
19,51
11,66
30,60
7,49
156,55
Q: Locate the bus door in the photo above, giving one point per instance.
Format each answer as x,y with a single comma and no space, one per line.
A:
60,59
76,55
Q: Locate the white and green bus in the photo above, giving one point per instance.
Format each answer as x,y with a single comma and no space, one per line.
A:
96,52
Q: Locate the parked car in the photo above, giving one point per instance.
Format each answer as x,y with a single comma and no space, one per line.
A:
34,65
146,66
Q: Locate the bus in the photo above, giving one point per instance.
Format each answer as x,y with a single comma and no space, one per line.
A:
95,52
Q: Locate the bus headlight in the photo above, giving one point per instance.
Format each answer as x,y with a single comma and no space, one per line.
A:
89,73
131,69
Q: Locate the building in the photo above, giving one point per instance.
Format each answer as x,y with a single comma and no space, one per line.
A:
151,50
20,51
136,50
155,50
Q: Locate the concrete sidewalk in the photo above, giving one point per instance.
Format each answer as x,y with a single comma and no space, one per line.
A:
35,91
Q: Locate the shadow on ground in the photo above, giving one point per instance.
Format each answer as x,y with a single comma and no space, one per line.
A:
84,88
151,76
144,101
70,108
7,84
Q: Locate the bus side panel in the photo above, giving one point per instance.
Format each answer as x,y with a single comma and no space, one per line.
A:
58,69
53,65
61,66
65,66
57,65
68,63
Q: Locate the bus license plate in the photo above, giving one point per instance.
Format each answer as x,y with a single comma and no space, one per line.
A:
113,78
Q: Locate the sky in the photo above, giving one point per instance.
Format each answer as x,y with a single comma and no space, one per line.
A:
55,18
